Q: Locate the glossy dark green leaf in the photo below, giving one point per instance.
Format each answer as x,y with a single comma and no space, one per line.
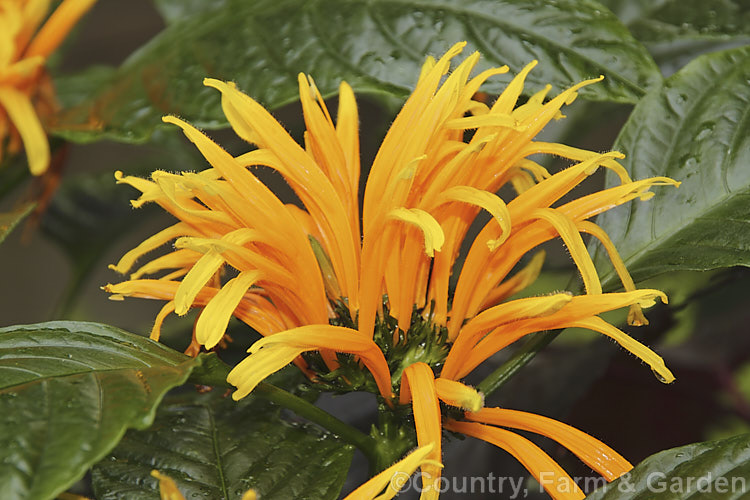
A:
673,20
718,470
174,10
76,88
695,129
9,220
216,448
68,392
677,31
377,46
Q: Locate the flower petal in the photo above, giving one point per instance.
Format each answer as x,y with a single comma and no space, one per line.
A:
252,370
546,471
433,233
57,27
456,394
167,487
203,270
593,452
213,321
517,282
418,385
24,118
486,200
635,315
334,338
394,476
629,343
150,243
577,248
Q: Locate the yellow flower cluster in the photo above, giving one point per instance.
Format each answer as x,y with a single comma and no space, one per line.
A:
321,278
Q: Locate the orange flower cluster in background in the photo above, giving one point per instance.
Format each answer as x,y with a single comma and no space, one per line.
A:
27,38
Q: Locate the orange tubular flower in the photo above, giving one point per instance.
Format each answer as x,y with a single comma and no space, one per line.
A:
25,89
330,295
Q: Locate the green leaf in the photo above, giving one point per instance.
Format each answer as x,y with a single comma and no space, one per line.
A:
695,129
9,220
677,31
378,46
68,392
216,448
671,20
76,88
717,470
175,10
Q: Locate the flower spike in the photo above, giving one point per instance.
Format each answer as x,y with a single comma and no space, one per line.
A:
406,296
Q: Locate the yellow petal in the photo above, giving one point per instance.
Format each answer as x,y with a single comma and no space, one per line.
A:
334,338
507,100
569,234
24,118
57,27
165,311
252,370
182,260
142,185
213,321
195,280
394,477
150,243
347,130
487,120
629,343
517,282
593,452
550,190
486,200
558,484
507,313
581,307
20,72
635,315
249,495
433,233
455,393
576,154
167,487
418,384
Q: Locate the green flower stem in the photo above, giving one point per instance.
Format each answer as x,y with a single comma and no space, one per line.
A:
504,372
214,373
393,439
305,409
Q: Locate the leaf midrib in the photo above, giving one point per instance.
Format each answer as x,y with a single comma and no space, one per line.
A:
47,378
217,452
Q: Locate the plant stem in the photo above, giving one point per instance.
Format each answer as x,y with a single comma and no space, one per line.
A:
504,372
321,417
214,372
